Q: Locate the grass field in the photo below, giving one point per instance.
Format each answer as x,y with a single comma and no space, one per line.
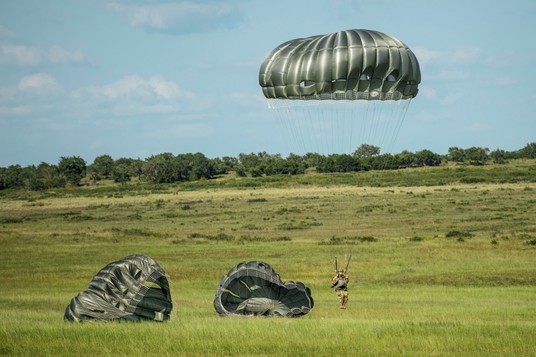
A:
441,266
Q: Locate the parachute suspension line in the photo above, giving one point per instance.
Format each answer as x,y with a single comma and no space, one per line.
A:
333,125
301,119
230,292
319,130
288,120
246,285
376,120
337,129
302,122
349,119
400,120
366,119
383,117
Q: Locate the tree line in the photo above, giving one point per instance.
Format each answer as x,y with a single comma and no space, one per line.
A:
168,168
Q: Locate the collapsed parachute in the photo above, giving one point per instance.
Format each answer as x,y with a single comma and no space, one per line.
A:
254,288
134,288
359,67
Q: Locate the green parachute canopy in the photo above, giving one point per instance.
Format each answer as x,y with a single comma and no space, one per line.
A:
254,288
346,65
134,288
335,92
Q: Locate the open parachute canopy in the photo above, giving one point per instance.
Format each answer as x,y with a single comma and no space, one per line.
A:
134,288
254,288
335,92
346,65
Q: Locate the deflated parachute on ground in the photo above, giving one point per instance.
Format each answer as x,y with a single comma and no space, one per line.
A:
254,288
346,65
134,288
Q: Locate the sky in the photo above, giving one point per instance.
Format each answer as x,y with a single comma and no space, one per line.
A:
136,78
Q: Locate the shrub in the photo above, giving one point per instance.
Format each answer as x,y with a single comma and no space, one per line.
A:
458,234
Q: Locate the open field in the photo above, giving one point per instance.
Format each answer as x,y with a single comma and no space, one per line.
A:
438,269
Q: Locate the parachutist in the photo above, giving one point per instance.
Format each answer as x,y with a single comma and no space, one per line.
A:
340,283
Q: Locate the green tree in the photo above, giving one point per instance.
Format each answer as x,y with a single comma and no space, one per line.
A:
126,168
160,168
339,163
225,164
498,156
199,166
406,159
13,177
73,168
529,151
46,176
366,150
312,159
121,173
252,163
381,162
456,154
427,158
102,167
477,155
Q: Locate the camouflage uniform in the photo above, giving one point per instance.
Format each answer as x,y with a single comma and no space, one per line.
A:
340,283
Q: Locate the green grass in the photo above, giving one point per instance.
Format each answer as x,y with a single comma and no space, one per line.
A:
437,270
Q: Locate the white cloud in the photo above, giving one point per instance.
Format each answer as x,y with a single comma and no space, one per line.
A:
468,55
5,33
453,74
22,55
165,89
7,93
136,88
450,99
13,111
505,81
479,127
57,54
40,83
134,95
460,56
432,95
184,16
182,131
425,55
19,55
428,92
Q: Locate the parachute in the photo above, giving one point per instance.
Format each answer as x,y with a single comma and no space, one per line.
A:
255,289
134,288
362,70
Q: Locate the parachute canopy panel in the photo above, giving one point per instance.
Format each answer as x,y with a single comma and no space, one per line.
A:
255,289
346,65
134,288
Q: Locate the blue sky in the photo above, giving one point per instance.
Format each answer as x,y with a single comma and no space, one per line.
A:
142,77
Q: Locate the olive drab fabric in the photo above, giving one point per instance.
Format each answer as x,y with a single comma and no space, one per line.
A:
134,288
346,65
254,288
